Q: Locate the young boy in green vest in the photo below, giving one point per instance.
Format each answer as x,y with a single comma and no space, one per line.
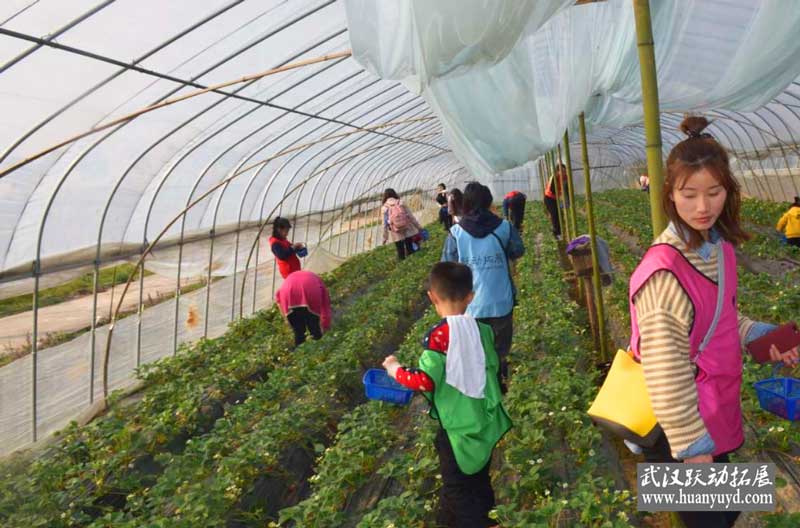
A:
458,374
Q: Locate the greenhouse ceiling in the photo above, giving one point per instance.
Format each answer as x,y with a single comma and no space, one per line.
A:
119,115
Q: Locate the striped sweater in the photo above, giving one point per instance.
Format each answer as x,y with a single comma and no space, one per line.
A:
665,313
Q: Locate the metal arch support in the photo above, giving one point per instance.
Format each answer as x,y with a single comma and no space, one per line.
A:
96,270
401,170
352,144
53,195
264,126
316,170
723,127
255,151
324,201
349,169
100,140
264,223
57,33
364,194
386,163
222,192
778,140
256,174
114,75
129,169
272,179
175,163
144,255
794,141
392,160
295,155
340,180
755,149
352,187
337,140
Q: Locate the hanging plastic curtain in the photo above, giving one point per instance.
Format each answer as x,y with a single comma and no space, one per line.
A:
502,108
418,41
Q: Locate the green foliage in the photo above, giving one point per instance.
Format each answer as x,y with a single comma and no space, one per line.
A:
111,470
761,296
553,471
83,285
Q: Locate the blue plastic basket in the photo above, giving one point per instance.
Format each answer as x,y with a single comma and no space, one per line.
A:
379,386
780,396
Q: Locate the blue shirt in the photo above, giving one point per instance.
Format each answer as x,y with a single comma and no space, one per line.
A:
494,290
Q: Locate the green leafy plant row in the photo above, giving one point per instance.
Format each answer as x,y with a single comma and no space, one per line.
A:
554,472
761,296
376,438
92,466
256,457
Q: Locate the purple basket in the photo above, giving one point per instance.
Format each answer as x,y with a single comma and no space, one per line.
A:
379,386
780,396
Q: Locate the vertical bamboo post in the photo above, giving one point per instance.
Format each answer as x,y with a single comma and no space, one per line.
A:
598,292
542,178
652,124
567,200
570,184
559,197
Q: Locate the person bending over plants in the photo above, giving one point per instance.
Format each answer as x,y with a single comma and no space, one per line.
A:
789,224
304,301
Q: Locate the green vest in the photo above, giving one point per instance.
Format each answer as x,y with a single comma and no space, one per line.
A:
473,425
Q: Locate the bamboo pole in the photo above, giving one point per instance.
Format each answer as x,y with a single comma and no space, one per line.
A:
550,176
168,102
542,178
598,292
570,184
568,202
652,124
562,214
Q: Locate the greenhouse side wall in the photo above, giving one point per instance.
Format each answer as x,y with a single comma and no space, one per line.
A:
63,381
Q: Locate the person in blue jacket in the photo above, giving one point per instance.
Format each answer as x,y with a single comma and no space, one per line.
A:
487,244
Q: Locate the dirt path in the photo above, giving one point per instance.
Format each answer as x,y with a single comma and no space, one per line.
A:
76,314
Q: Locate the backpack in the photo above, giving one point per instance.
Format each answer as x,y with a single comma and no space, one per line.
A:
398,217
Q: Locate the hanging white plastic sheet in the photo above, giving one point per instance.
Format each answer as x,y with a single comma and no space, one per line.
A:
501,107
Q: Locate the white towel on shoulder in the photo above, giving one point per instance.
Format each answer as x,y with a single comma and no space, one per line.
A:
466,360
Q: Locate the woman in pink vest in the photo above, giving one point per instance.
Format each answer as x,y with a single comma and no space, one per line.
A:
285,252
304,301
692,355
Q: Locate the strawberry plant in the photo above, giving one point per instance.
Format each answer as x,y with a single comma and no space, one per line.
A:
94,469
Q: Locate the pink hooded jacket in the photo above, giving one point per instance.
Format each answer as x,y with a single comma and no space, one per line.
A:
305,289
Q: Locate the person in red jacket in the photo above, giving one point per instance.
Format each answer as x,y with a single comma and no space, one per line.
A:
514,208
304,301
285,252
552,194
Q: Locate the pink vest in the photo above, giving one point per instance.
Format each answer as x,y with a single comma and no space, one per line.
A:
719,376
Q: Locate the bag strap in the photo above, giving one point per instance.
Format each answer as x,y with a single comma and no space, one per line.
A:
505,254
718,309
720,296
